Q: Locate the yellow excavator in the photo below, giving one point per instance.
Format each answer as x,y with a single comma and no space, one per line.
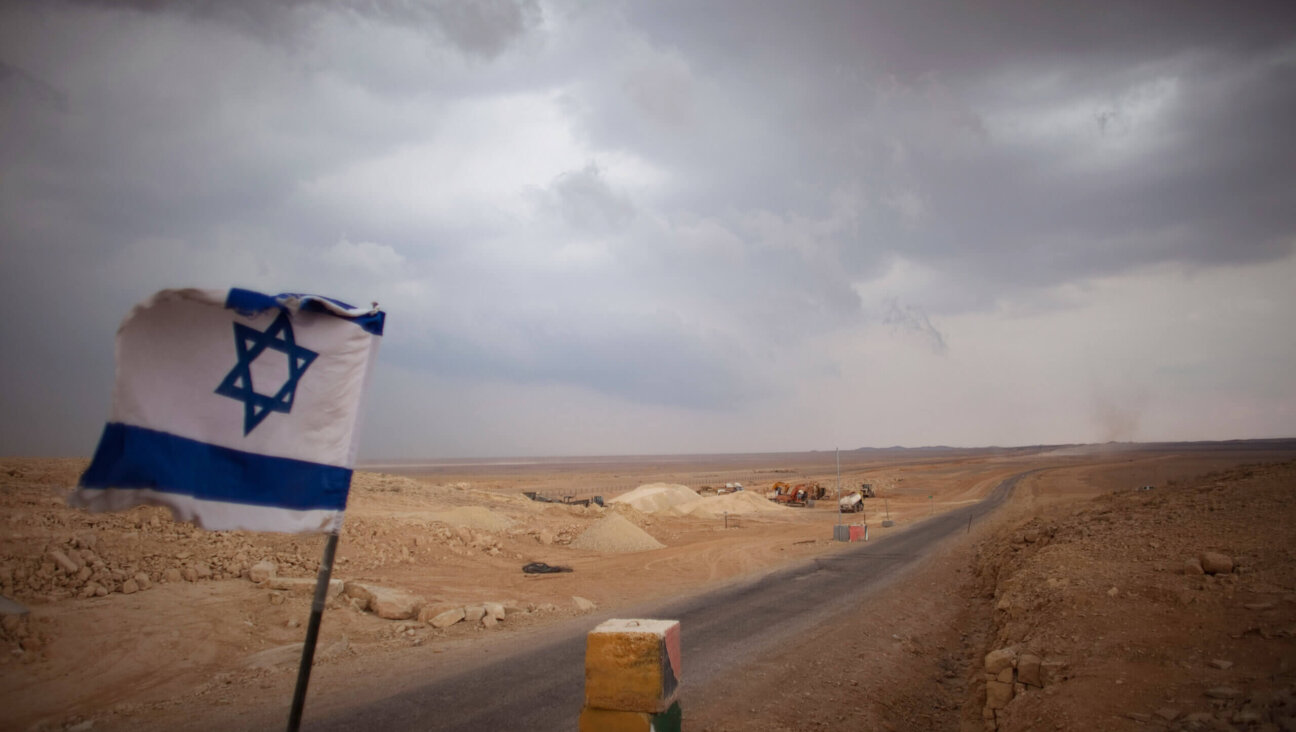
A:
799,495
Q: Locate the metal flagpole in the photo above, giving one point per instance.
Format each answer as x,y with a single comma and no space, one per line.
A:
312,631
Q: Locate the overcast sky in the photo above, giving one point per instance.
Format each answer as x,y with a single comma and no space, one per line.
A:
659,227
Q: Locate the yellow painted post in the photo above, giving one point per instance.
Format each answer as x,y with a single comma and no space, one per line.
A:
632,677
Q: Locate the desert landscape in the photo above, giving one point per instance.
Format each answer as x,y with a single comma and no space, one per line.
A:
1121,586
550,313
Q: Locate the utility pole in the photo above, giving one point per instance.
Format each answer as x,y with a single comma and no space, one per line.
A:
839,486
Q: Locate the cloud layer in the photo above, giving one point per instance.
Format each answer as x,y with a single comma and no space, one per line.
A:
674,226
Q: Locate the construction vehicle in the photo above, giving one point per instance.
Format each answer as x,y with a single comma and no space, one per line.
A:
778,489
566,500
801,494
854,503
708,490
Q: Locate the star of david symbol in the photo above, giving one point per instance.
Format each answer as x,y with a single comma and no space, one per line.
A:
251,343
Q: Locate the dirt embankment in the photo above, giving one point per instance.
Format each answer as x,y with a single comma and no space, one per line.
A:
1169,608
1075,611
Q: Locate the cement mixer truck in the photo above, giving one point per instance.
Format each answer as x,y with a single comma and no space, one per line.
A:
854,503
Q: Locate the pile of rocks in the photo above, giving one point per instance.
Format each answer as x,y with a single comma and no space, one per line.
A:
488,614
60,553
1172,608
396,604
90,564
1009,674
73,567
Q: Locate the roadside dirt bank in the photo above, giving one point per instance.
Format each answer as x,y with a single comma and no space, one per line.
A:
1095,606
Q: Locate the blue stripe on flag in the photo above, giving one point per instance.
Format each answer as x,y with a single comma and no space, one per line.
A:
135,457
249,301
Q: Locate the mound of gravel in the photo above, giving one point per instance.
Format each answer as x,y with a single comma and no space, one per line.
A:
657,497
473,517
613,534
733,503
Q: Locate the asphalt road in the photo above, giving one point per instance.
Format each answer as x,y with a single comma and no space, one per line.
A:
542,687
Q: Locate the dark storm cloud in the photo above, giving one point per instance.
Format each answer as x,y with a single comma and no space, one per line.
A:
647,358
586,202
858,82
482,28
667,203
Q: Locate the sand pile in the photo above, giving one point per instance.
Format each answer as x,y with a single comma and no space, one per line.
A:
734,503
385,483
613,534
473,517
657,497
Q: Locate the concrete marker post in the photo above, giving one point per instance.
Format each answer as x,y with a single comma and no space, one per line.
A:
632,677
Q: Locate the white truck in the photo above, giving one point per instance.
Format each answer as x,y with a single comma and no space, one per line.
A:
854,503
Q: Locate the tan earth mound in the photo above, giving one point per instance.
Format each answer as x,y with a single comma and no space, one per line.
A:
615,535
733,503
657,497
383,483
473,517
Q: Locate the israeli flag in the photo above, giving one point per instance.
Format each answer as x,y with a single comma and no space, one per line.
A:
236,410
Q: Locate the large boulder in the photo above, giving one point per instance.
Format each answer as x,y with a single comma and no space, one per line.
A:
358,591
998,694
996,661
1216,563
303,585
63,562
1028,670
1052,671
447,618
431,610
392,604
262,571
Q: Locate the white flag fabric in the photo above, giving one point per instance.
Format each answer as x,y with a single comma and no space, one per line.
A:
236,410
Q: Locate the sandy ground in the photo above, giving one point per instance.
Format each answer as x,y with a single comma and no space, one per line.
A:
140,623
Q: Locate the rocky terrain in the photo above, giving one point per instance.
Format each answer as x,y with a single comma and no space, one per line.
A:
1173,608
1080,608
